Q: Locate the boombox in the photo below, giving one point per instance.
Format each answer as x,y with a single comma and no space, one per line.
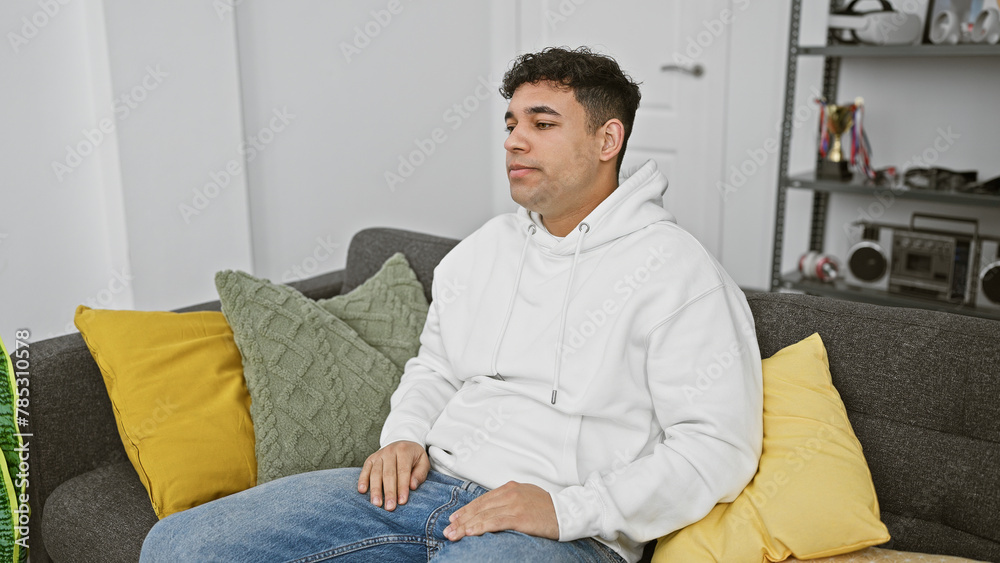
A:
937,266
932,264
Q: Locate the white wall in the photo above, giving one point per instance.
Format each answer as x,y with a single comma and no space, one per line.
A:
119,109
758,43
174,74
138,223
505,44
368,83
55,235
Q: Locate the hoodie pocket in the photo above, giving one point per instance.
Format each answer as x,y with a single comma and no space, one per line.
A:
571,442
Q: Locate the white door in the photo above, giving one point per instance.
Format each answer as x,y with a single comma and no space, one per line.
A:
680,119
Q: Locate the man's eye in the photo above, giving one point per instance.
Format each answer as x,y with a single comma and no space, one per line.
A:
543,125
509,129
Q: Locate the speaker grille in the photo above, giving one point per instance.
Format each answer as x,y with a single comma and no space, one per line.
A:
868,264
990,280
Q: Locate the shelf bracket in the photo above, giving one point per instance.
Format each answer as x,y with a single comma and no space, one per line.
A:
791,70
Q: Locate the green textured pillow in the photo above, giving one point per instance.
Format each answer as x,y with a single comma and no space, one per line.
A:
13,512
387,311
319,392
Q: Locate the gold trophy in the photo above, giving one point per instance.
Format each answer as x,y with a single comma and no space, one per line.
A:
834,121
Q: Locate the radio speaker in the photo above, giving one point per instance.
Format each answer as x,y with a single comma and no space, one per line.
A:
870,259
988,283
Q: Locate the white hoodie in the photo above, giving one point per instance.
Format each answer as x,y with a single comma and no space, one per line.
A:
617,368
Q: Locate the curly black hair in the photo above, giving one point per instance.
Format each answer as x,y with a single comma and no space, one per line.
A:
598,83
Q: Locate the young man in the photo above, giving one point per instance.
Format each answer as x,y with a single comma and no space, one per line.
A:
595,385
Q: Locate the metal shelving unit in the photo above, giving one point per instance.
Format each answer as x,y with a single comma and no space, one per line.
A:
899,51
840,290
822,189
809,182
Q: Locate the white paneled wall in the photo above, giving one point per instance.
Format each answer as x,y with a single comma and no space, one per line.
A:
174,73
149,144
391,123
60,231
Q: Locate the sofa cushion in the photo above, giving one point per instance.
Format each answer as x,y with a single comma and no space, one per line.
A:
921,389
370,248
103,515
880,555
180,403
812,495
320,393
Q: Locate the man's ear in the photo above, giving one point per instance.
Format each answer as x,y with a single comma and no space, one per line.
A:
613,135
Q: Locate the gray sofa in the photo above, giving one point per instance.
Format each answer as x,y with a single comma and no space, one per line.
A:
922,390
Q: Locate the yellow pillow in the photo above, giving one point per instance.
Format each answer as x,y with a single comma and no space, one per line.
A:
812,495
183,412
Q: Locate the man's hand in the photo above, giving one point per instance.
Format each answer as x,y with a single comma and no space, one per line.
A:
514,506
400,466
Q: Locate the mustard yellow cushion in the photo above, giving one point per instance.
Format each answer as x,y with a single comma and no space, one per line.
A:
183,412
812,495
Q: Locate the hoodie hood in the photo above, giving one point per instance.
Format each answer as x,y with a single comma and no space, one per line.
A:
636,203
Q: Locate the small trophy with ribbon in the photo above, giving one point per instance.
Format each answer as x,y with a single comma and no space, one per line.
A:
835,120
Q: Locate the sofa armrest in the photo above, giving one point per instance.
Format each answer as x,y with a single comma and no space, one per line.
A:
71,423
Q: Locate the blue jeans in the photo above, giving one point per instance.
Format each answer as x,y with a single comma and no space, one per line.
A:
321,516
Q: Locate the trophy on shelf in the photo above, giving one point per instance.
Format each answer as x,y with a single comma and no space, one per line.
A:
835,120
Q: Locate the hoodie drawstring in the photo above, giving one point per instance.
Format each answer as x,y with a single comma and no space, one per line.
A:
510,304
584,229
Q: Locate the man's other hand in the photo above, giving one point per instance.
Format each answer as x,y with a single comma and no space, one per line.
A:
514,506
393,471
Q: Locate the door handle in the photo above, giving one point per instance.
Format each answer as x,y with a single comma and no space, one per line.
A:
695,71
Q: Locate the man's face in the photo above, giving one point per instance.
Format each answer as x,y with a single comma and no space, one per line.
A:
552,157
